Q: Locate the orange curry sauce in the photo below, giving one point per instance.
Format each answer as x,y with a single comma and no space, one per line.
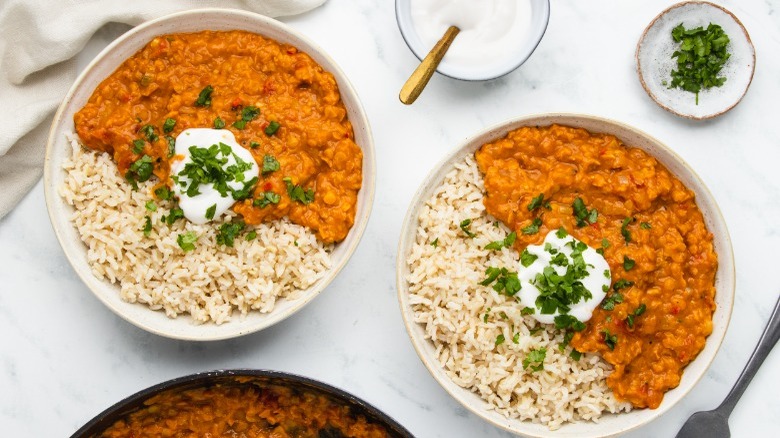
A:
674,274
314,145
243,410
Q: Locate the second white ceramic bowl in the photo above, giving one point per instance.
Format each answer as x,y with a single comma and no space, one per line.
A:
609,424
58,149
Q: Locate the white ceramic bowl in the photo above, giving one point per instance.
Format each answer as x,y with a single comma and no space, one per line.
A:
655,64
540,15
609,424
57,149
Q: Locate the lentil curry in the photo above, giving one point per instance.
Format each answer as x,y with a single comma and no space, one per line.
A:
646,223
277,101
246,410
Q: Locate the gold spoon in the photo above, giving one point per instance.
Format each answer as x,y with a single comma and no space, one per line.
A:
422,74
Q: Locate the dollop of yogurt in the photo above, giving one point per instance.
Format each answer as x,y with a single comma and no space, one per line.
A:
490,30
597,280
196,208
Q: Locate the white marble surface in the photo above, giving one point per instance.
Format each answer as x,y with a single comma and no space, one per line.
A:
64,357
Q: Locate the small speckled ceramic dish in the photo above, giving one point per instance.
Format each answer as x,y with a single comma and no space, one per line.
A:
58,149
608,425
655,64
540,15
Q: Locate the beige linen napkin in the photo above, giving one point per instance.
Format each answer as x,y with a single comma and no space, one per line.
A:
38,42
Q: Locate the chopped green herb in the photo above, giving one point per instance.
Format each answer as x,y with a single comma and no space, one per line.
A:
297,193
219,123
175,214
209,165
266,198
537,202
485,316
535,359
147,226
248,114
227,233
535,330
464,225
609,339
254,144
140,171
624,229
566,339
163,192
270,164
606,273
148,132
500,339
252,235
171,145
507,282
516,338
561,233
533,228
508,241
503,315
700,58
138,146
622,284
637,312
645,225
628,263
610,302
187,241
582,214
272,127
574,354
528,311
169,125
204,98
151,206
568,321
245,191
435,243
210,212
526,258
558,292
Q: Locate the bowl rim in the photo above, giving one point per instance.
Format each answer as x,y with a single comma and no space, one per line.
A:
642,77
195,380
499,130
513,67
52,196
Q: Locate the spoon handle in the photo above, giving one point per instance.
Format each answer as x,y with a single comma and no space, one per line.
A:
768,340
422,74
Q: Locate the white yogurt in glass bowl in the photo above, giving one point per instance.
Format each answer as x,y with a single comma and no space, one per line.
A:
496,36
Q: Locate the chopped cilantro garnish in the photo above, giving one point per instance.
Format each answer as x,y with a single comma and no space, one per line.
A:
606,273
245,191
568,321
148,132
435,243
297,193
151,206
561,233
533,228
210,212
464,226
272,127
622,284
219,123
609,339
270,164
537,202
252,235
628,263
169,125
227,233
204,98
526,258
528,311
208,166
645,225
535,330
254,144
266,198
700,58
147,229
508,241
637,312
582,214
140,171
516,338
163,192
535,359
558,292
248,114
138,146
176,213
574,354
171,145
500,339
624,229
610,301
507,282
187,241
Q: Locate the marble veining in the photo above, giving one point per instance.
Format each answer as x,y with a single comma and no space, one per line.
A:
65,356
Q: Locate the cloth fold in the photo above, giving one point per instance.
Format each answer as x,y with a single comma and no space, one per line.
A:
39,40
